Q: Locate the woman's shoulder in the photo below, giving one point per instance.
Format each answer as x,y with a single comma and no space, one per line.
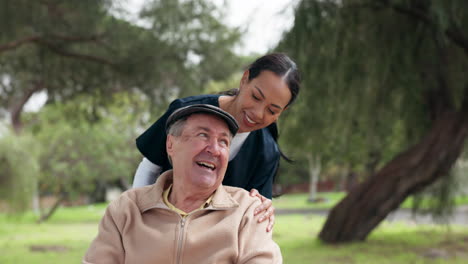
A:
266,138
269,133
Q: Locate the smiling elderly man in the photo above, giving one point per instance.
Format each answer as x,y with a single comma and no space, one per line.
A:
187,216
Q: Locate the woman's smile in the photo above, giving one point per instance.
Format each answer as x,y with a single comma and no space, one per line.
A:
248,121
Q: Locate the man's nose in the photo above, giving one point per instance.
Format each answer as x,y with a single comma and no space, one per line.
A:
213,147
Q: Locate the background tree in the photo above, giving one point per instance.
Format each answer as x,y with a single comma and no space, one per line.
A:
106,79
19,168
386,67
82,158
67,48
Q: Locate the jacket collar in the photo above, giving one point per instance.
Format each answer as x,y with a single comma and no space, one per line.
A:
151,196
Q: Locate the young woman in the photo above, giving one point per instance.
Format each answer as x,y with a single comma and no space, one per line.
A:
267,88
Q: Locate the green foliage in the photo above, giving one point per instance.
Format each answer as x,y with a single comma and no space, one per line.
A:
103,76
365,73
73,148
59,47
372,76
194,29
446,191
229,83
18,171
339,114
232,81
70,48
76,154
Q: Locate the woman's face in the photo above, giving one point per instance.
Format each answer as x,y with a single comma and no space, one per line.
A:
260,101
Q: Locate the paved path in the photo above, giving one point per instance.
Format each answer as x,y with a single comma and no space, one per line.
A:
459,217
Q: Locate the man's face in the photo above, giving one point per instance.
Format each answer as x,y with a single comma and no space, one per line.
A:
200,154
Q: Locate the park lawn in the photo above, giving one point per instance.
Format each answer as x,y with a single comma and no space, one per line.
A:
299,201
329,199
65,238
390,243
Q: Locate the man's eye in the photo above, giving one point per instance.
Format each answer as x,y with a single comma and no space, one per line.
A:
203,135
224,143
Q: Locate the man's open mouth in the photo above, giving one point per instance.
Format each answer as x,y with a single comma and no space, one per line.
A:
208,165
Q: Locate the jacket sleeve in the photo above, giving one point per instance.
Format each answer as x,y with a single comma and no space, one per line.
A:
256,246
147,173
107,247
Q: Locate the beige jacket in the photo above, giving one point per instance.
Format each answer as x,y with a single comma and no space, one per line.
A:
139,228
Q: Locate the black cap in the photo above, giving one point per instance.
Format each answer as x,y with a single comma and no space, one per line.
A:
203,108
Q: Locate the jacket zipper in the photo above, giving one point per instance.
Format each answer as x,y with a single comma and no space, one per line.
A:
181,239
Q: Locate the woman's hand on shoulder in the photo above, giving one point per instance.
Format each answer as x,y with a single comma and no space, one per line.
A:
265,210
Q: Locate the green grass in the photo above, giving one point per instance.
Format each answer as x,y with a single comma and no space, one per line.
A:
459,201
299,201
71,230
330,199
390,243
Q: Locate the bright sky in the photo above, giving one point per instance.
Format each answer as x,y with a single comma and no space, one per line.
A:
263,22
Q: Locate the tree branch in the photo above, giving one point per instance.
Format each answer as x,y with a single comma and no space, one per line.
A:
91,38
458,38
40,39
18,43
16,108
412,13
453,32
86,57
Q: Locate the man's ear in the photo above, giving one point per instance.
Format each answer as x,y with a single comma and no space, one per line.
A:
169,144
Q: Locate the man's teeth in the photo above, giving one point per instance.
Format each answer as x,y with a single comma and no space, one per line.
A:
205,164
250,120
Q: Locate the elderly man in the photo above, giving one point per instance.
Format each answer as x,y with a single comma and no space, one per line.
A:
187,216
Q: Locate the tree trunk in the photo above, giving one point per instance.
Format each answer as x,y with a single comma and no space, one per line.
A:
370,202
351,181
372,162
314,172
16,107
35,202
52,210
344,171
99,193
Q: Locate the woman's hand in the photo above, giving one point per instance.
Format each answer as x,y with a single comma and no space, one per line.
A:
266,209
